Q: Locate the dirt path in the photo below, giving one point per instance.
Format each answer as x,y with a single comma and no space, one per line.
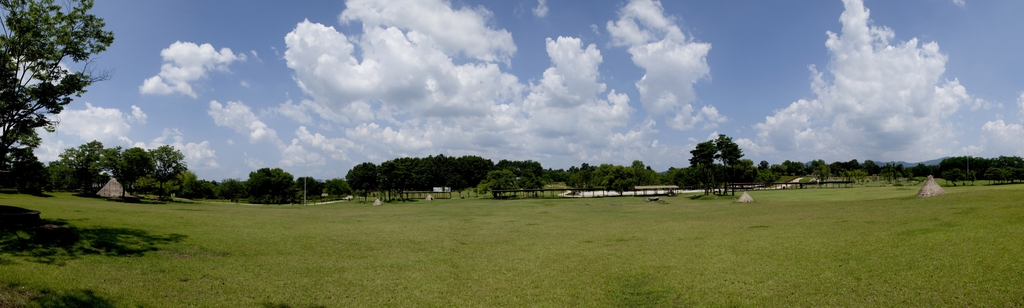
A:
787,186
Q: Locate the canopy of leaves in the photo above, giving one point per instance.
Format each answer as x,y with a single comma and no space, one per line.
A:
231,189
39,39
273,186
337,187
85,164
167,163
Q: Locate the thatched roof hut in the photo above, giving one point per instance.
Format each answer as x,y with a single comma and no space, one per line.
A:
745,198
930,189
111,189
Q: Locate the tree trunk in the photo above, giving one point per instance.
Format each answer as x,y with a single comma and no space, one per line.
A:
4,149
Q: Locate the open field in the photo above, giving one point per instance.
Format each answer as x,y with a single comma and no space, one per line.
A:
875,246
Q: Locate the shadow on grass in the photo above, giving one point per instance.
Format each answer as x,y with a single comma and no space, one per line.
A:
85,195
15,192
148,201
1001,184
640,290
281,305
55,242
16,296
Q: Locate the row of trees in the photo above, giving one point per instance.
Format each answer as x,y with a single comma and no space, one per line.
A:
161,171
473,172
267,186
716,164
275,186
713,166
612,177
422,174
720,163
963,169
88,167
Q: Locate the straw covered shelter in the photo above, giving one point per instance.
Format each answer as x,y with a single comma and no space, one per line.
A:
111,189
930,189
745,198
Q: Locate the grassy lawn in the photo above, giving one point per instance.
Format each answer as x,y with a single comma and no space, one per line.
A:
876,246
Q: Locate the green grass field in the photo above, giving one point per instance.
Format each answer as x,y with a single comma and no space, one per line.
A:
875,246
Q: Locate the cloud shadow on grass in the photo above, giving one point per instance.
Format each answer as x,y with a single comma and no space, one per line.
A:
641,290
56,241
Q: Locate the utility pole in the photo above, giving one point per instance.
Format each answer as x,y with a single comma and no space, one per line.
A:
305,169
969,169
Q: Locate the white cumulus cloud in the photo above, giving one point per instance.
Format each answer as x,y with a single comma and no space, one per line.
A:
397,69
107,125
1000,138
138,115
877,99
197,155
1020,104
110,126
542,9
238,116
297,112
436,24
672,64
253,162
184,63
566,103
400,86
334,146
296,155
49,149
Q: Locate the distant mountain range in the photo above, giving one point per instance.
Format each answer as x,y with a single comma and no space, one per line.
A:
933,162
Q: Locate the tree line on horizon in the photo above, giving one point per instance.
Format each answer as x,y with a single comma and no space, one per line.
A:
713,165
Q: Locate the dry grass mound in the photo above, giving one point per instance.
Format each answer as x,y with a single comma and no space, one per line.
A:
930,189
745,198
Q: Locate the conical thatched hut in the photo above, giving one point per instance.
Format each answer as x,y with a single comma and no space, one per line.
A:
111,189
429,197
377,202
745,198
930,189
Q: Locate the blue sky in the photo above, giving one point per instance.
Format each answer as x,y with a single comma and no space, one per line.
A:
316,87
